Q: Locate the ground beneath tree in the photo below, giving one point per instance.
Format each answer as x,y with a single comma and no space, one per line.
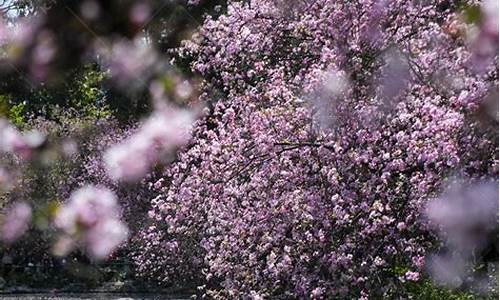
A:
92,296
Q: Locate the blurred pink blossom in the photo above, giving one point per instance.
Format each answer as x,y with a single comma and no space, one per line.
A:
90,9
140,13
5,179
130,62
104,237
91,217
484,39
12,141
489,9
161,133
448,270
465,214
16,222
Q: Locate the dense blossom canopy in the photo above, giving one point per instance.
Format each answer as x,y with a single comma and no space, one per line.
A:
329,125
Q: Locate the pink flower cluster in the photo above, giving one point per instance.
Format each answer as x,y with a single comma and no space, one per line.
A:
162,133
14,142
131,63
16,222
466,217
91,217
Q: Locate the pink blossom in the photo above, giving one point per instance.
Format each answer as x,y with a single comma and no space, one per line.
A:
412,276
5,179
130,62
465,213
103,238
16,222
490,9
12,141
401,226
163,132
464,216
139,13
91,217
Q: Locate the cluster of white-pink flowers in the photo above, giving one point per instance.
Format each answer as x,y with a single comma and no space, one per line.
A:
91,217
164,131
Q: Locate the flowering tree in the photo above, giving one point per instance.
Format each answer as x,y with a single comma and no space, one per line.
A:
331,126
312,163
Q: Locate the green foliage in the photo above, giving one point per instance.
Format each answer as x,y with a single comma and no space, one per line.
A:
82,95
4,105
426,290
471,14
15,112
87,95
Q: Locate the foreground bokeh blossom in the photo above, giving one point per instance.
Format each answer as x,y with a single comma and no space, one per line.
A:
16,222
163,132
5,179
484,38
466,219
131,63
466,214
11,140
92,218
15,142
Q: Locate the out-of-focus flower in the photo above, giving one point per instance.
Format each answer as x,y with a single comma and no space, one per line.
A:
12,141
396,75
43,54
16,222
90,9
140,13
63,246
483,39
5,179
489,9
331,85
465,216
161,133
104,237
92,218
130,62
449,270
